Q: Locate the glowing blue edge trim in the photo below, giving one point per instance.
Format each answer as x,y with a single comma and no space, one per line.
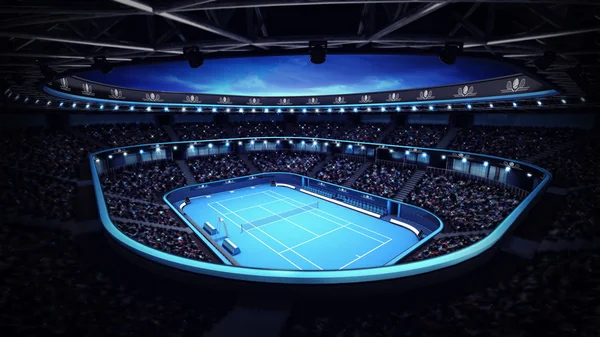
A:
63,95
318,277
224,259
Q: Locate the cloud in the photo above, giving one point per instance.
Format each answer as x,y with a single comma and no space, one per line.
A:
249,82
187,85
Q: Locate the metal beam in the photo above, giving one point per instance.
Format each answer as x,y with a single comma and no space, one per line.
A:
411,17
19,22
470,12
189,22
284,3
542,36
123,45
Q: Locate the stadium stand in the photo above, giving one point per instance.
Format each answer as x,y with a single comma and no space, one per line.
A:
280,161
196,131
383,180
339,169
217,167
115,135
417,135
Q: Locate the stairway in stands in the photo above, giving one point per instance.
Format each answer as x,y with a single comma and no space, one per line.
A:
187,173
448,138
169,130
244,157
560,148
358,173
390,128
410,185
315,170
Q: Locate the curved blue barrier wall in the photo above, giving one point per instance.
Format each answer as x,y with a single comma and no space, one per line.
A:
324,277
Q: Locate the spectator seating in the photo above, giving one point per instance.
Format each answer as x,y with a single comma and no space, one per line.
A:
191,131
577,166
138,211
383,180
317,130
463,204
445,246
510,142
282,161
217,167
42,151
580,217
362,132
146,181
116,135
23,193
417,135
553,295
257,130
339,169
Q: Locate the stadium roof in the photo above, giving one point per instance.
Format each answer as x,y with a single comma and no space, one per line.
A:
67,35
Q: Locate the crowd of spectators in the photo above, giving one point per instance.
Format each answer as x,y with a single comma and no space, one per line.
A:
282,161
511,142
190,131
116,135
317,130
217,167
555,295
145,181
167,240
138,211
39,150
417,135
49,287
250,129
576,166
463,204
445,246
362,132
23,193
339,170
580,216
383,180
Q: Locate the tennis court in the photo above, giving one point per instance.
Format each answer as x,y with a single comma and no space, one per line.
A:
281,228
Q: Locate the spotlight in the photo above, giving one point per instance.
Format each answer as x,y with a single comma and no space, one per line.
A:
469,106
431,108
141,151
110,156
337,144
74,105
582,99
407,152
48,73
291,142
116,107
342,110
49,102
539,103
304,110
103,65
303,142
26,99
240,143
175,147
443,157
278,110
148,109
316,110
529,175
355,110
391,150
183,109
210,145
277,142
166,109
97,160
449,107
450,51
545,61
131,108
253,110
214,109
251,142
485,163
87,106
317,51
266,110
424,154
101,106
292,110
398,109
198,109
369,109
464,160
241,110
382,109
563,101
515,104
193,56
507,169
61,104
37,101
265,142
227,110
329,110
491,105
414,108
124,154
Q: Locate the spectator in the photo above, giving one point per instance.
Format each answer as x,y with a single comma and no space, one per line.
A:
339,170
417,135
188,132
217,167
116,135
383,180
300,163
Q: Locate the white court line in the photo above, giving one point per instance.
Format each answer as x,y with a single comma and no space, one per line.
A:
343,220
337,223
286,219
243,196
316,237
365,254
267,234
266,203
259,240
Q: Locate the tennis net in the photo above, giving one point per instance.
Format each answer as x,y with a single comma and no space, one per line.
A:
276,217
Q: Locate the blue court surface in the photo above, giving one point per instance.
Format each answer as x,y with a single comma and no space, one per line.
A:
281,228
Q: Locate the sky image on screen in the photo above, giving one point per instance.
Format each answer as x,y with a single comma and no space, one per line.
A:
281,228
297,76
